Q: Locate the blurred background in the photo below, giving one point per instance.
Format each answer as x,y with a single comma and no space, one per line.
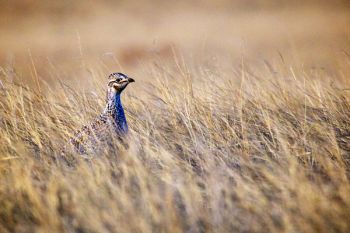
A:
125,35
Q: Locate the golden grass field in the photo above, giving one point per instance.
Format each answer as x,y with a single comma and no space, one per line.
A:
239,117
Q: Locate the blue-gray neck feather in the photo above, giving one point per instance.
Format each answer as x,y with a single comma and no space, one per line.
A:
119,115
115,109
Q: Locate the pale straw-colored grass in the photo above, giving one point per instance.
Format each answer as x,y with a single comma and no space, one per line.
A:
208,151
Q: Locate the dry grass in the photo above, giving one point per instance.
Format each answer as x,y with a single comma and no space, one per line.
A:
239,118
209,151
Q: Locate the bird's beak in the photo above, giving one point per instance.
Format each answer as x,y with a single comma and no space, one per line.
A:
131,80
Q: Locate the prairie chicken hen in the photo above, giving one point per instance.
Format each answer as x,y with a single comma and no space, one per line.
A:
112,121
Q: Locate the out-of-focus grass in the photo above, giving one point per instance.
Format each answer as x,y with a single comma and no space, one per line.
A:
306,33
209,151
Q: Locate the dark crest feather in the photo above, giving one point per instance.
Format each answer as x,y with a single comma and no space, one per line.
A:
121,75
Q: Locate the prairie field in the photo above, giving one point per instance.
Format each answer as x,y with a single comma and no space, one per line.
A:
239,119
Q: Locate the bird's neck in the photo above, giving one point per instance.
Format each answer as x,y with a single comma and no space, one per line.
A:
115,109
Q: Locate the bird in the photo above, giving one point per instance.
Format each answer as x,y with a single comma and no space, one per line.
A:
111,122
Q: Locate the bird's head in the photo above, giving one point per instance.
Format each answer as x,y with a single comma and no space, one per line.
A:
117,82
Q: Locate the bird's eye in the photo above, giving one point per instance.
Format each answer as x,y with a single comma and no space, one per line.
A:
118,80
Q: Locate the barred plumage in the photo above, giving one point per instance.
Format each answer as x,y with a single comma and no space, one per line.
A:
112,121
